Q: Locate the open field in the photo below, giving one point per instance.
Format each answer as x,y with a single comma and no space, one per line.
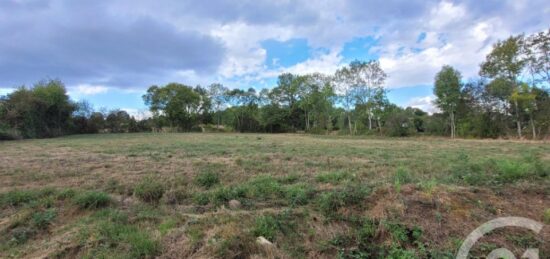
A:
213,195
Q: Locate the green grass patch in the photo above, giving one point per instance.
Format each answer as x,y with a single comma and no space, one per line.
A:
92,200
207,179
149,190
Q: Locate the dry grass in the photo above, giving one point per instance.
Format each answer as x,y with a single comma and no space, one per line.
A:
262,171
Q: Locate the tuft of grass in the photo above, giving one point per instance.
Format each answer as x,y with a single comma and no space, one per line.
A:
17,198
207,179
266,226
149,190
42,219
299,194
92,200
333,177
120,236
401,176
510,171
546,216
330,202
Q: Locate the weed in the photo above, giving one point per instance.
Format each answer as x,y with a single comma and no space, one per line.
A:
427,186
299,194
266,226
201,198
207,179
401,176
510,171
17,198
167,225
400,253
333,177
330,202
66,194
92,200
149,190
43,219
547,216
21,235
263,187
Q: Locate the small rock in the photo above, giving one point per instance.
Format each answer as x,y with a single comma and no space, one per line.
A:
234,204
263,241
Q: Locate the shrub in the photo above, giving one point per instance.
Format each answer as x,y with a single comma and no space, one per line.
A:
266,226
43,219
509,171
17,198
207,179
262,187
330,202
92,200
201,198
20,235
402,176
149,190
298,194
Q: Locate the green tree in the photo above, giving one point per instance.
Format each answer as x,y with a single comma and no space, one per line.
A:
180,104
447,89
218,95
505,63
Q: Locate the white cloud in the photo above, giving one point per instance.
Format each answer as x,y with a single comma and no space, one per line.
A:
4,91
85,89
425,103
138,114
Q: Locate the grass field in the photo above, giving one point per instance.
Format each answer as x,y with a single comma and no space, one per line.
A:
213,195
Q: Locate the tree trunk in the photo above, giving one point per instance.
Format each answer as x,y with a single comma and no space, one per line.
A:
518,122
452,125
349,124
370,121
533,127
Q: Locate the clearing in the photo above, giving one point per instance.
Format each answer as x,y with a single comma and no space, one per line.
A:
213,195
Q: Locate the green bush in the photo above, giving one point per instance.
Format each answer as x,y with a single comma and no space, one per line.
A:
149,190
266,226
20,235
92,200
262,187
298,194
330,202
17,198
201,198
510,171
207,179
43,219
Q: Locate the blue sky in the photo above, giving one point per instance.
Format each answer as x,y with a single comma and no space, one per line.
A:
109,52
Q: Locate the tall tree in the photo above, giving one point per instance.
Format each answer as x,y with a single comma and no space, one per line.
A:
218,95
506,63
447,89
179,103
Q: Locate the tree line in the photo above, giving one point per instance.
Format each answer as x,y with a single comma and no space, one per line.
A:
509,99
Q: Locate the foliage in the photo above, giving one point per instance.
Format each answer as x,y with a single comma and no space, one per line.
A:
207,179
149,190
92,200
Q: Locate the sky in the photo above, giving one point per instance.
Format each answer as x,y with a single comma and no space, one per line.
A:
110,51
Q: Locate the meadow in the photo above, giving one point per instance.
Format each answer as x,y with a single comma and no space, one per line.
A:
185,195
